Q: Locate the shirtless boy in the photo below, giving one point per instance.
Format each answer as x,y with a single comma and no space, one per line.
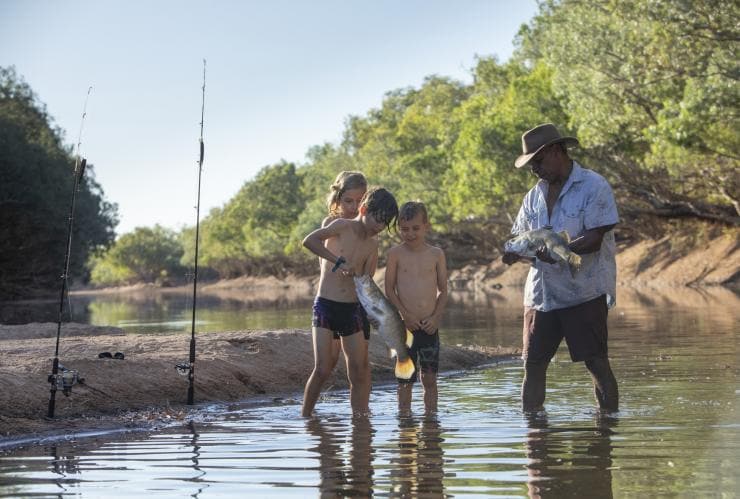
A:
416,283
351,249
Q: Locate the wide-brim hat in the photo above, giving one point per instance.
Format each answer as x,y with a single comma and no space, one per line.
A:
541,136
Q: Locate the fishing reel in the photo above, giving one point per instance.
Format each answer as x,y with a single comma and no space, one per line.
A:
183,368
65,379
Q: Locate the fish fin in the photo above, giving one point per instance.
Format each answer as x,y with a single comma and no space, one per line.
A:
409,338
405,369
564,234
393,352
574,263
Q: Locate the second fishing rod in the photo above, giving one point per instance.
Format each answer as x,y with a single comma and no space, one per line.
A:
189,367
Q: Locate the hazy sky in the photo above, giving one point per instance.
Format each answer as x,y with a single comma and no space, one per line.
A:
282,76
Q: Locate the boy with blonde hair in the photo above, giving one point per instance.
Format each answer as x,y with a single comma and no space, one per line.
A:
416,283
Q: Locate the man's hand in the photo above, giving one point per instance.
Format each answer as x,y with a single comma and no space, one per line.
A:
510,258
544,255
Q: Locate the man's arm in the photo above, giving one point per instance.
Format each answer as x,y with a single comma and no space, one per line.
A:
590,240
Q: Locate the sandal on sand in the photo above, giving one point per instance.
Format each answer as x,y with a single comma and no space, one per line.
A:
118,355
105,355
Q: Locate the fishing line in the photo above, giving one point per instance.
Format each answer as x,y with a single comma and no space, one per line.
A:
68,377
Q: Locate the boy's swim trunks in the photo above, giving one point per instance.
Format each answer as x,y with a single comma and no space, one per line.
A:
424,351
341,318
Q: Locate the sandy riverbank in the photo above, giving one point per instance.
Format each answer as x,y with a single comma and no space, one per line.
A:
145,388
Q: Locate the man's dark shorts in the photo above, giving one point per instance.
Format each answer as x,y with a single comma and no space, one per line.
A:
424,351
583,327
341,318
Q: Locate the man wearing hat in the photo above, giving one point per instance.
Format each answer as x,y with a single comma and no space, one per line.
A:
558,304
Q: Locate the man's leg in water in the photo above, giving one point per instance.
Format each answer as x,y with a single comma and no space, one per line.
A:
541,336
534,386
323,364
605,384
355,348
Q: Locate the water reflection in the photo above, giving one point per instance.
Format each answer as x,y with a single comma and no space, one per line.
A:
418,468
569,461
195,459
340,476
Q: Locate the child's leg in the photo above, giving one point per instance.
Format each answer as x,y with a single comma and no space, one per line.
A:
404,398
323,365
355,348
336,348
429,382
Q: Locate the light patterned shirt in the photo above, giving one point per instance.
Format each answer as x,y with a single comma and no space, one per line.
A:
585,202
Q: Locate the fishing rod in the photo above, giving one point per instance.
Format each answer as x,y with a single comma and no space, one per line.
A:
189,368
68,377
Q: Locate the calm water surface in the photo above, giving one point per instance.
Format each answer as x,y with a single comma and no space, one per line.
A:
675,356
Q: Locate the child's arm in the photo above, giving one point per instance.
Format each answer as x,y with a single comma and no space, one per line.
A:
431,323
314,242
391,276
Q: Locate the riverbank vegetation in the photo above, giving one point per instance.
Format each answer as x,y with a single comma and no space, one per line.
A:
649,88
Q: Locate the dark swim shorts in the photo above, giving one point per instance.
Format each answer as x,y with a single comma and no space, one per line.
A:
583,327
341,318
424,351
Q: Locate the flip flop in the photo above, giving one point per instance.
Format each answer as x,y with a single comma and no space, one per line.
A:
105,355
118,355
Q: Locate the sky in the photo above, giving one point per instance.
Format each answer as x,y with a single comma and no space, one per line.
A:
281,77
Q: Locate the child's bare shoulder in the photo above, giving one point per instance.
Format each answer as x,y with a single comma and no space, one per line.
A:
339,224
395,250
328,220
435,250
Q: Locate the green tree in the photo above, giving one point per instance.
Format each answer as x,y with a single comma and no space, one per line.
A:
253,229
405,144
144,255
36,180
651,87
506,100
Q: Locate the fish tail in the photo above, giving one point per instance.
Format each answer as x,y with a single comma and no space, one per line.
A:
405,368
574,261
409,338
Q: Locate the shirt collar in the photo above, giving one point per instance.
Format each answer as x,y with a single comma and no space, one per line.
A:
576,175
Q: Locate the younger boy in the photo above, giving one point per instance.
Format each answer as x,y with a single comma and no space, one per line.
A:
351,249
416,283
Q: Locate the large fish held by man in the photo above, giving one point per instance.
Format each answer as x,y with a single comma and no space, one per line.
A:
388,322
528,243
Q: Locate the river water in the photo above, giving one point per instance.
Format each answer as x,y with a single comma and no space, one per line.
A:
675,354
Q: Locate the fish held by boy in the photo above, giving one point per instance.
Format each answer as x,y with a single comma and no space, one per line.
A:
528,243
389,323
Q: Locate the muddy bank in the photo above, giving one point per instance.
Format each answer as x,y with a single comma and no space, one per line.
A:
145,387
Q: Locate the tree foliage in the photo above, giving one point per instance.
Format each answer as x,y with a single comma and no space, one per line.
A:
649,88
35,195
653,87
150,255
